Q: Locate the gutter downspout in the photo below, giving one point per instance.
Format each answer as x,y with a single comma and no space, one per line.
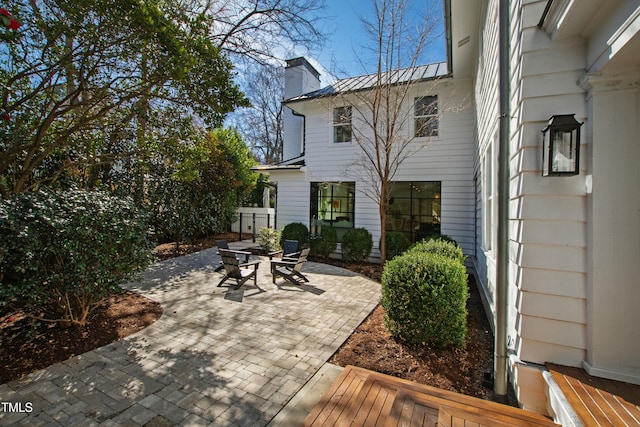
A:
502,282
304,128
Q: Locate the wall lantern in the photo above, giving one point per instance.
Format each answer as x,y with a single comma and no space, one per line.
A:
316,228
561,146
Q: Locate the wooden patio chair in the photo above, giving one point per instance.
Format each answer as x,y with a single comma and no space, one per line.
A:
243,257
234,269
290,250
290,270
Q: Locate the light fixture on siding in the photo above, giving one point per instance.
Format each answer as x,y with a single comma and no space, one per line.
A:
561,146
316,228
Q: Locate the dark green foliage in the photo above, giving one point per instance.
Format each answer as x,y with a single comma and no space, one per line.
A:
397,244
62,253
295,231
356,245
424,296
326,244
196,191
445,247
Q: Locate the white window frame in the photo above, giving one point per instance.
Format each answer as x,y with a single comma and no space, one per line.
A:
342,119
431,115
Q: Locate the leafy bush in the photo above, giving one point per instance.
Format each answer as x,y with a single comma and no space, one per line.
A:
356,245
445,247
295,231
326,244
269,239
424,296
62,253
397,243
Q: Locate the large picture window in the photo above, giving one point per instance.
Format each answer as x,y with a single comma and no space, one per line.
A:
333,204
425,110
342,124
414,209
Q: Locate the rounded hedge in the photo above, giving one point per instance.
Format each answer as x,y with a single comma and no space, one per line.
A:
326,244
424,296
397,244
356,245
295,231
444,247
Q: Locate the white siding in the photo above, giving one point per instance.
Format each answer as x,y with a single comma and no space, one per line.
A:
448,158
292,197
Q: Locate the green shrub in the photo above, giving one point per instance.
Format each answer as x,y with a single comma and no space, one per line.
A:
269,239
62,253
424,296
397,243
295,231
356,245
326,244
448,248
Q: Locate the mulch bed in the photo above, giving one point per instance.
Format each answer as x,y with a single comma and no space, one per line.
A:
25,348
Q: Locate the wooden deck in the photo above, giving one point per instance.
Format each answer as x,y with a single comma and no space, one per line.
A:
359,397
596,401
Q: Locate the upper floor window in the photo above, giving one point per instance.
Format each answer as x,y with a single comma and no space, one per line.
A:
425,111
342,124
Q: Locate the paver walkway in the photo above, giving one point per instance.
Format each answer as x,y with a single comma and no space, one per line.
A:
208,360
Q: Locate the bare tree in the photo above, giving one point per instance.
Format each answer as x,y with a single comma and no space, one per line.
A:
385,113
261,30
261,124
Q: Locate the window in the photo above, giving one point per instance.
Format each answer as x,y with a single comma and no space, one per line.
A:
488,232
333,204
414,209
425,111
342,124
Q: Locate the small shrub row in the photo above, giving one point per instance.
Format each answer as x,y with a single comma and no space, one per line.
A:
424,294
356,245
295,231
325,244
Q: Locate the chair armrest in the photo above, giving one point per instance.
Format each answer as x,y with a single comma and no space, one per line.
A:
291,255
249,263
283,263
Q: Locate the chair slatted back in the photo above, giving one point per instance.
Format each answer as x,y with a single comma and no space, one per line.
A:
222,244
231,264
289,247
301,259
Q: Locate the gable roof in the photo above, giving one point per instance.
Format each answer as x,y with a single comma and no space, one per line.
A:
368,81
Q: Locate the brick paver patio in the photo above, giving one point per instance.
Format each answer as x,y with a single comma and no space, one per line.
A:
209,360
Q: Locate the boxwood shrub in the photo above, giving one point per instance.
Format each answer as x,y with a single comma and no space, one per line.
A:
448,248
326,244
397,243
295,231
356,245
424,296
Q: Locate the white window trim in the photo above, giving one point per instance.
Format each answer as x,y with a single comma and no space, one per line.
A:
428,116
341,124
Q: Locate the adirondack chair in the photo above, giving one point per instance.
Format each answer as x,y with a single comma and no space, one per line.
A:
234,269
290,250
290,270
243,257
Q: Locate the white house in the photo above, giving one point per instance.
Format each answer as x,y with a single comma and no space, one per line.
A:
322,175
573,239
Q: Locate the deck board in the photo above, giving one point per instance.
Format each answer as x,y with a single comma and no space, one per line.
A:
360,397
598,401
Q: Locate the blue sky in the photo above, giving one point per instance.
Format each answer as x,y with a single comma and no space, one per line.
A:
347,38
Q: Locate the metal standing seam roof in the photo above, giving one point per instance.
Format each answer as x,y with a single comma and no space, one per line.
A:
367,81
